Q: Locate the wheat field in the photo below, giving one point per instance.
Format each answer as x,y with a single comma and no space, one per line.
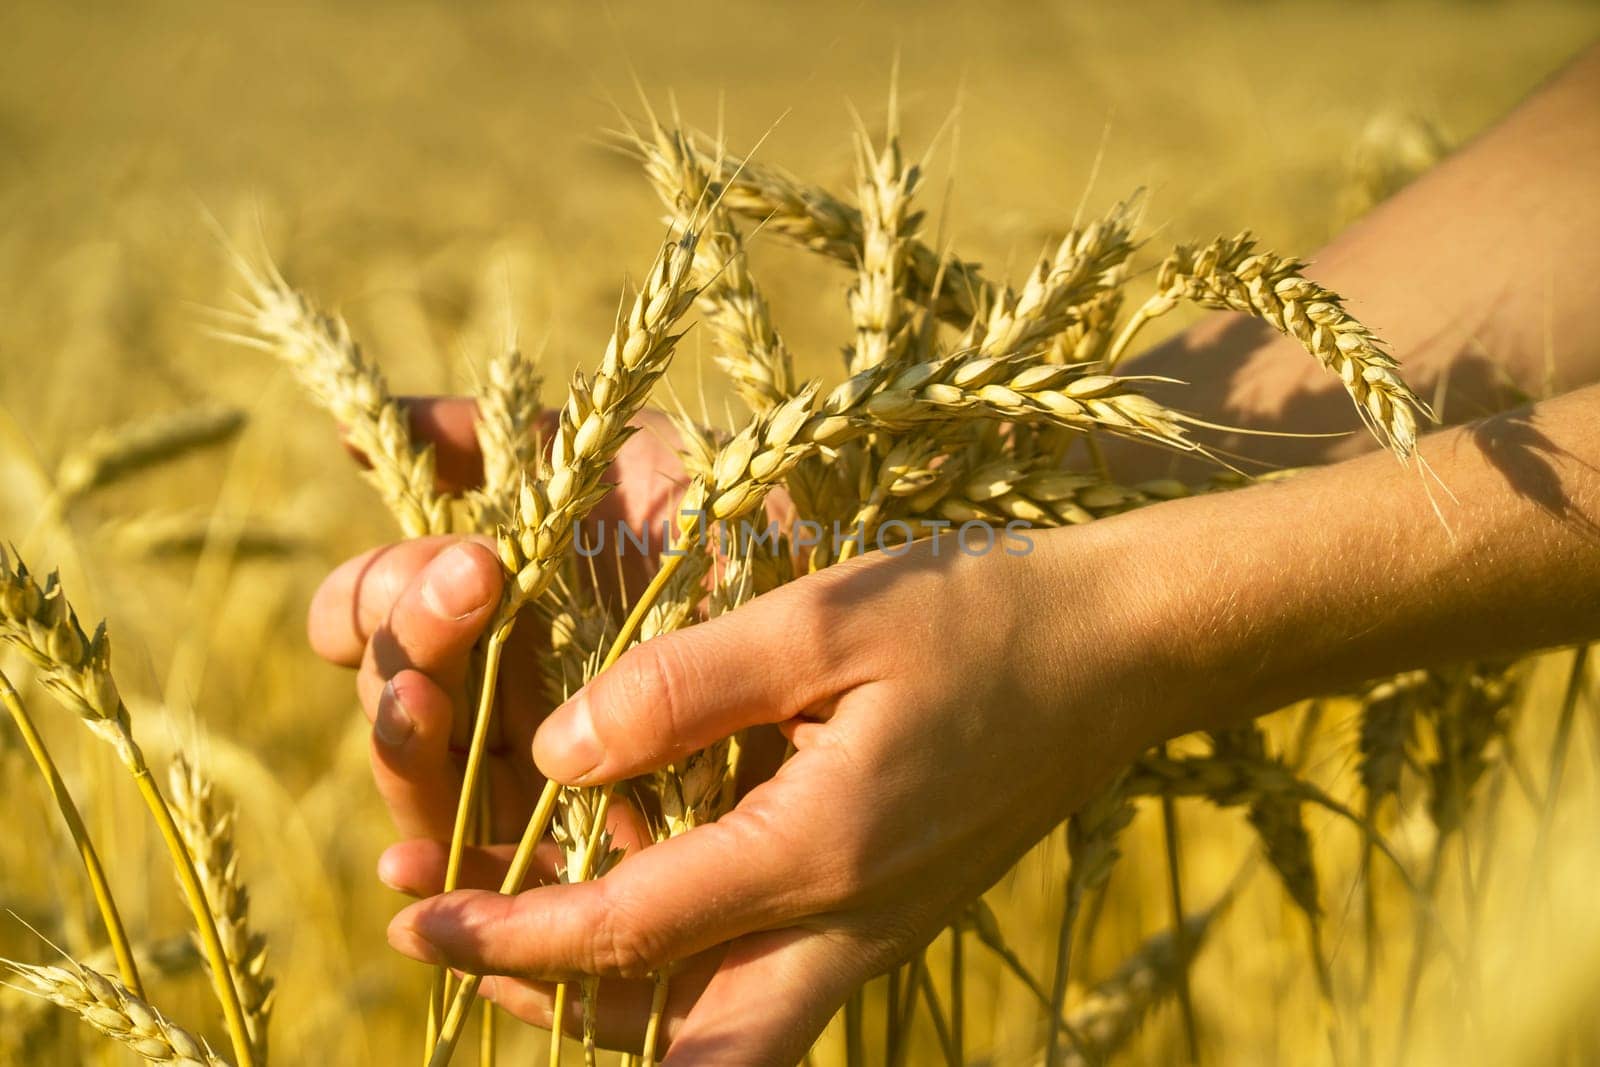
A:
444,178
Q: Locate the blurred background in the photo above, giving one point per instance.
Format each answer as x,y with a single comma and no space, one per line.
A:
439,174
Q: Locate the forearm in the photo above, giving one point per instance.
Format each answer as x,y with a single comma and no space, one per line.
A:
1256,598
1479,275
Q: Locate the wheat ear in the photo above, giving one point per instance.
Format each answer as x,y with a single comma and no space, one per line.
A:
207,825
592,427
1229,274
815,219
507,428
1113,1011
109,455
330,366
77,668
1086,265
108,1006
749,348
99,886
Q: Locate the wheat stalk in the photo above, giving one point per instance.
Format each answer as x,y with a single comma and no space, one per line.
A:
1092,834
99,886
108,1006
207,826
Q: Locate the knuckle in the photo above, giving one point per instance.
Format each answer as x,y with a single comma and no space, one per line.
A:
624,945
647,706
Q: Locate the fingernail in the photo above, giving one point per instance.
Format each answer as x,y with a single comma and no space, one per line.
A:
392,725
456,585
566,747
386,876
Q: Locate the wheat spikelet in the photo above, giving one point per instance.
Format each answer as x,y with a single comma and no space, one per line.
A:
1231,274
580,628
749,348
1092,835
754,461
105,1004
508,435
207,826
594,424
1035,491
330,366
699,789
1091,325
109,455
1393,149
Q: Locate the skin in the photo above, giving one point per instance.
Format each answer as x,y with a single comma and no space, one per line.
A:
947,709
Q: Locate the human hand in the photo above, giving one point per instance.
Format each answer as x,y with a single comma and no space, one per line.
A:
407,615
941,723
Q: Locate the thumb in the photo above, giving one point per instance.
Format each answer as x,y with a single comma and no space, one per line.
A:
682,691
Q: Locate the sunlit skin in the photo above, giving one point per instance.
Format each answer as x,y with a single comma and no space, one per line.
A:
948,709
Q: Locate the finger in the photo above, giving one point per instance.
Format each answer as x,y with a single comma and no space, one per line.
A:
356,598
411,761
449,423
753,869
769,1000
682,691
417,867
622,1008
440,615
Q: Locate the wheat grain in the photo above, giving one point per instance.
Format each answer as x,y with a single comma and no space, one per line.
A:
105,1004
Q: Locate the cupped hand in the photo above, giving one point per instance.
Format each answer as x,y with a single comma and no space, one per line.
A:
946,710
